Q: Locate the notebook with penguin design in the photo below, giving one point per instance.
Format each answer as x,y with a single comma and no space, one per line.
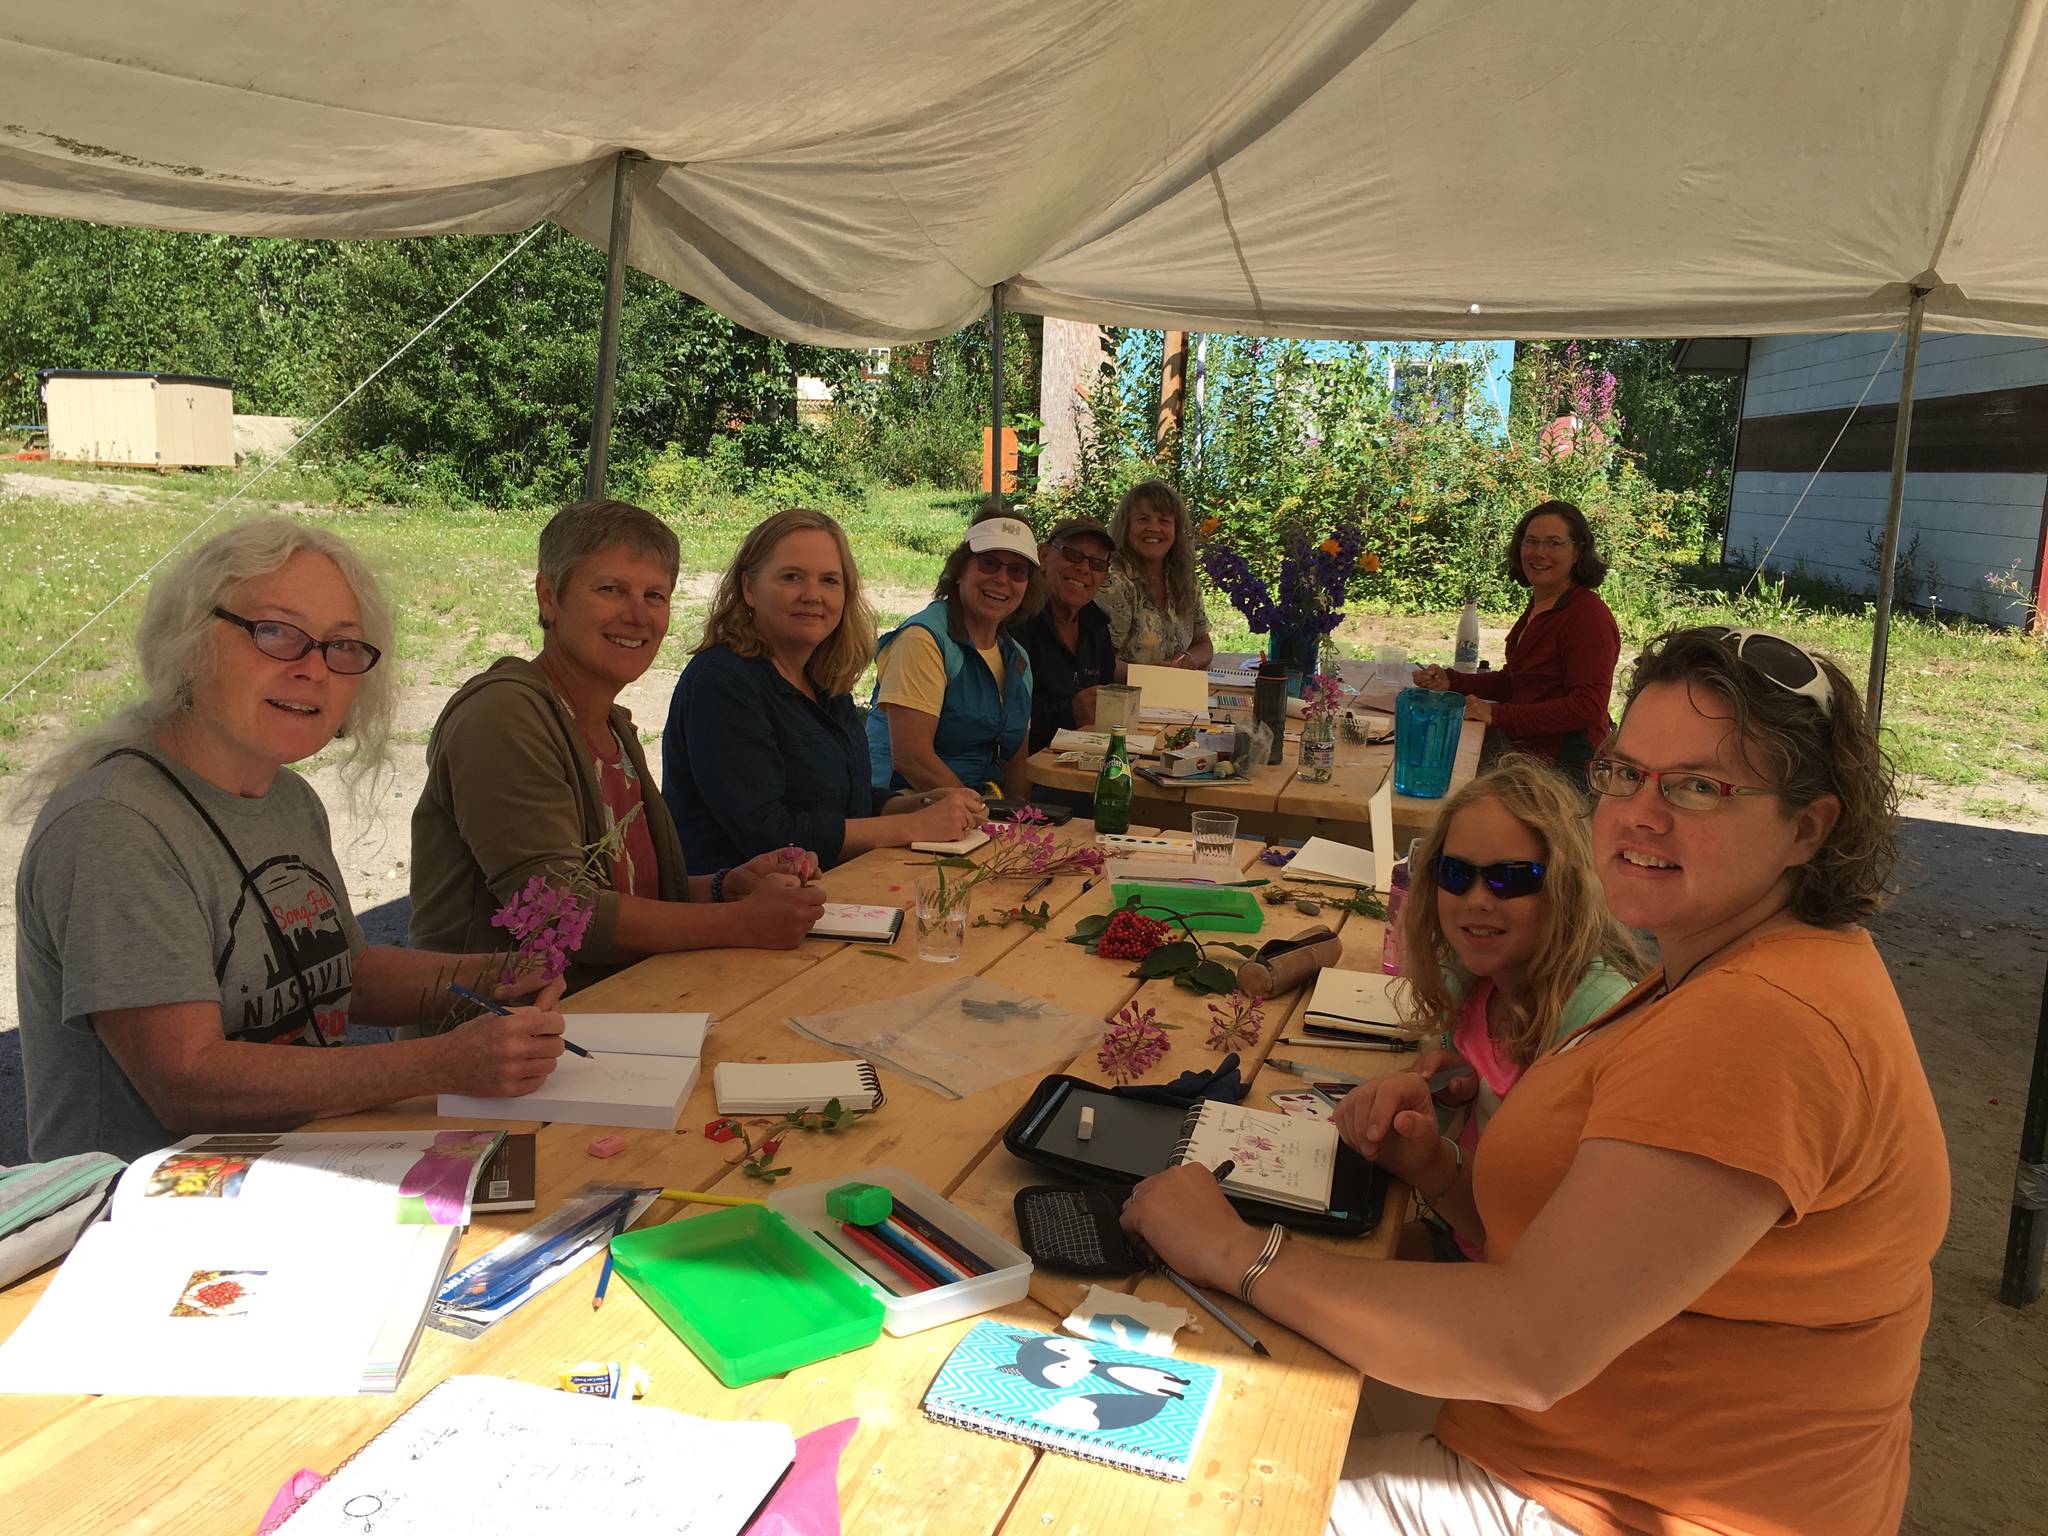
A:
1080,1397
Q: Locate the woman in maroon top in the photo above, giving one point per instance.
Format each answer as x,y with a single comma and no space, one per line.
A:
1551,697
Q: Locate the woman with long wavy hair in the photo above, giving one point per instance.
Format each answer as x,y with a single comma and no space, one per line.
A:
1152,596
764,747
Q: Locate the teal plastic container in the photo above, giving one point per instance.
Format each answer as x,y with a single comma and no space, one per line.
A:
1427,725
1217,908
748,1295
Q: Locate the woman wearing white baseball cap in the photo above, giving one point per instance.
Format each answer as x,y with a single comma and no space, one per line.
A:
952,700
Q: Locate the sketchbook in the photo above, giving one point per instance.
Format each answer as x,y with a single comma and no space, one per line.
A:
483,1454
858,922
1358,1003
1279,1158
774,1088
1080,1397
966,843
1328,862
641,1068
297,1264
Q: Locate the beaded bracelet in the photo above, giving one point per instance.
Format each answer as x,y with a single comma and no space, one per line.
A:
718,884
1262,1263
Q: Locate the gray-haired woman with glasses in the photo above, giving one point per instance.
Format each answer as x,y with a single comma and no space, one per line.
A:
1551,697
1720,1198
180,907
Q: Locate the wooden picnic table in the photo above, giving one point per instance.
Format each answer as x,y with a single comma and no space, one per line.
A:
1268,1460
1272,802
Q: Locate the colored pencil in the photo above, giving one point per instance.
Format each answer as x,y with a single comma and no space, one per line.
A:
1218,1313
501,1010
932,1260
931,1233
887,1255
873,1268
1350,1045
604,1276
704,1197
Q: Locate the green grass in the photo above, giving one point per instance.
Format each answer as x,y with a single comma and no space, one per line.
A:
1967,706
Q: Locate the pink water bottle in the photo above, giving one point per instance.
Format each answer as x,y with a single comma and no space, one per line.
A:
1397,896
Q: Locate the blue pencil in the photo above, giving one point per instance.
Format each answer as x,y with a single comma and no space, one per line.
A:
501,1010
604,1276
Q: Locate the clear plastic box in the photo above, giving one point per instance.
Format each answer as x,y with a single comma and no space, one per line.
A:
803,1207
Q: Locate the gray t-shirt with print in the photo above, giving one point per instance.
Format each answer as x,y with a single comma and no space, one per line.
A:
125,899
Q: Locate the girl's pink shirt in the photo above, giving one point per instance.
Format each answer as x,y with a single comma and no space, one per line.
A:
1473,1040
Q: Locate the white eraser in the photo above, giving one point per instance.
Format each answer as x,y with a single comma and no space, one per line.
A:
1087,1123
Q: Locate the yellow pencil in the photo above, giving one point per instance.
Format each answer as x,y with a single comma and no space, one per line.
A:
700,1197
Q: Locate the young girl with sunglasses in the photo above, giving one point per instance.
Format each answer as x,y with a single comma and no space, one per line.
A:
1509,945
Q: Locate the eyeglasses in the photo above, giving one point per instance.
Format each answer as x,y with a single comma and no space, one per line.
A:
1778,659
1547,546
1096,563
996,565
288,642
1683,788
1507,880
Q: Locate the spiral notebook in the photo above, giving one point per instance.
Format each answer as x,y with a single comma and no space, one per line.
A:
1080,1397
781,1088
1285,1159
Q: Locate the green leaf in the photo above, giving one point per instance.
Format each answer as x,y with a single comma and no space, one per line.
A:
955,861
1089,928
1242,949
1169,960
1209,976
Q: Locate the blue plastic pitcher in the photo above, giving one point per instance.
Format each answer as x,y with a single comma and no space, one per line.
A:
1427,724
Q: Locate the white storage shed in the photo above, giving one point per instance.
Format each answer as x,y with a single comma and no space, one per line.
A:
156,420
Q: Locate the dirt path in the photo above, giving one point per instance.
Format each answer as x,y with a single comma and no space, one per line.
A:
1967,945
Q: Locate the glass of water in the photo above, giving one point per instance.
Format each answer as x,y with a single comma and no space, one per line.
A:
1215,837
941,914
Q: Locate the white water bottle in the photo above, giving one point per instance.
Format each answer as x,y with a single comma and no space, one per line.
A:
1467,659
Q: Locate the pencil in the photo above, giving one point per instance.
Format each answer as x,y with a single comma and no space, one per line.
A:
887,1255
704,1197
926,1260
932,1234
1350,1045
1315,1073
501,1010
604,1276
1218,1313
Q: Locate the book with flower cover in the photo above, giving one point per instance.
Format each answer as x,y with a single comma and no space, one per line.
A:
1283,1159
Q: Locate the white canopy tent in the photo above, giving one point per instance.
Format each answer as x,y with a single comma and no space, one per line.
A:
849,174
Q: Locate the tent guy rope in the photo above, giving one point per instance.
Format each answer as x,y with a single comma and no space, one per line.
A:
254,480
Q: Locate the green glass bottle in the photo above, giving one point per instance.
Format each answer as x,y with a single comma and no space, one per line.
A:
1113,787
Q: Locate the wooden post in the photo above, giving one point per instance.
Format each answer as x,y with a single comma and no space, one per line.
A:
1173,375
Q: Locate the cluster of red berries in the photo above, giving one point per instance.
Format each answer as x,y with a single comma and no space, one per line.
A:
1131,936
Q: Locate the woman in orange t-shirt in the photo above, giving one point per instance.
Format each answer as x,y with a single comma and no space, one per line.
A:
1721,1200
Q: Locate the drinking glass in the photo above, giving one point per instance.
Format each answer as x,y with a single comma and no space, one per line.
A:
1390,667
941,914
1116,704
1215,837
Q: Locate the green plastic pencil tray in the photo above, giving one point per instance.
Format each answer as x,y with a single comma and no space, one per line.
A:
1223,908
748,1295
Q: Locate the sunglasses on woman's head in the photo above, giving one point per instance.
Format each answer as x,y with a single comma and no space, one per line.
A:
1507,879
1778,659
287,642
996,565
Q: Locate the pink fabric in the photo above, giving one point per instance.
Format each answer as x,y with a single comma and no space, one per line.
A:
298,1488
807,1503
1473,1040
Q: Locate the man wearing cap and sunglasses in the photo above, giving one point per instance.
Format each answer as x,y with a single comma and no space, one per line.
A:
1068,640
952,700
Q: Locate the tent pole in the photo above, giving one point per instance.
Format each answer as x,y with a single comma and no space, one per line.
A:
1902,436
608,327
2028,1232
996,324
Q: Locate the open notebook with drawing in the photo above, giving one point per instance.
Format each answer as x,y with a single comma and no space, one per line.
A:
641,1068
256,1264
1282,1158
482,1454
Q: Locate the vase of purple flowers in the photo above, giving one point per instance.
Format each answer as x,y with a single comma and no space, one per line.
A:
1295,600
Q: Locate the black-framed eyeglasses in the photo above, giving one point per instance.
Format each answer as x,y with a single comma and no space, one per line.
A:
1682,787
1096,563
288,642
1778,659
996,565
1508,879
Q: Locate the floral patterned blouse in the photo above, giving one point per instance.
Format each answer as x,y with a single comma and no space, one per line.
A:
1142,630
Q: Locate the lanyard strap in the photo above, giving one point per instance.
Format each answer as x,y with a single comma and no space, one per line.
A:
277,936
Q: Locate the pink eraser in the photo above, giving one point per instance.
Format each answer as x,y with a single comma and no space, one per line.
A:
607,1146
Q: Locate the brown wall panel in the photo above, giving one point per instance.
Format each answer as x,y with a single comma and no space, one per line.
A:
2000,431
